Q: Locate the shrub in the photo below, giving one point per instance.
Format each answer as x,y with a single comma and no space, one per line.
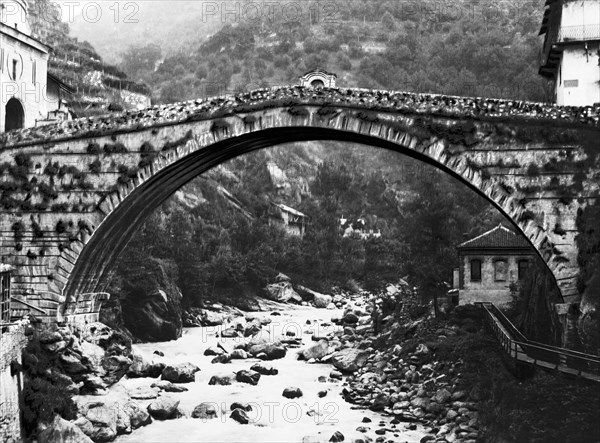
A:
93,148
95,166
533,170
45,390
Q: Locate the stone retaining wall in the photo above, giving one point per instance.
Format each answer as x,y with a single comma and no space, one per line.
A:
12,342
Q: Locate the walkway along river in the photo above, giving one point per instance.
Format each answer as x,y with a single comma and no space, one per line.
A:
273,418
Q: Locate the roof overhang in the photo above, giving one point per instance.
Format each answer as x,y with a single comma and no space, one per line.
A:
62,85
24,38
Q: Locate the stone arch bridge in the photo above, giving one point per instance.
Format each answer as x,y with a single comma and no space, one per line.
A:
74,193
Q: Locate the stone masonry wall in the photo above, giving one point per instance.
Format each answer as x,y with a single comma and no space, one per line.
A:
12,342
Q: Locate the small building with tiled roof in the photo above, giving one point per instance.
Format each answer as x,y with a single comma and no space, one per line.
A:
490,264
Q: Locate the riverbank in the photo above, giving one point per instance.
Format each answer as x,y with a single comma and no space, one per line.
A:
320,413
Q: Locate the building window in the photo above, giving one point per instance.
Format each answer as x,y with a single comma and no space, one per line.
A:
4,297
33,72
14,69
500,270
523,268
476,270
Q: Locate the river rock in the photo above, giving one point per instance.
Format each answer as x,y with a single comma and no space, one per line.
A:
144,393
138,417
163,408
140,367
321,300
230,333
63,431
210,318
270,351
263,370
205,411
244,407
213,350
317,351
292,392
98,421
180,373
349,359
220,381
442,396
337,437
240,416
282,292
223,358
238,354
115,367
350,318
252,328
250,377
167,386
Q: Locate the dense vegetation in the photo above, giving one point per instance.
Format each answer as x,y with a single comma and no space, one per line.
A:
223,253
457,47
97,85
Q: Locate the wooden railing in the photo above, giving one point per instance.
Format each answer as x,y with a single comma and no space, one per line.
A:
550,357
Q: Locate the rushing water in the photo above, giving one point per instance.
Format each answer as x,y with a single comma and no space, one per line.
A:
273,418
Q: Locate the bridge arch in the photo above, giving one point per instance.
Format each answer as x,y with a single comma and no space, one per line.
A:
142,158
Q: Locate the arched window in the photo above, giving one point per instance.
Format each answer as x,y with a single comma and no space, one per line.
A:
15,115
476,270
317,83
500,270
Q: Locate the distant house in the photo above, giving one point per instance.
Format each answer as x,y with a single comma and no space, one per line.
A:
489,264
358,227
294,222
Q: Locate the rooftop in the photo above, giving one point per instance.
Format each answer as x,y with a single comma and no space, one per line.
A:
290,210
499,237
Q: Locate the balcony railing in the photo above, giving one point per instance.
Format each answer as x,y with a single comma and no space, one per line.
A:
579,33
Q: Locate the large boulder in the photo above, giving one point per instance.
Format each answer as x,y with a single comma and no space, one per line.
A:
317,351
268,351
152,303
349,359
63,431
115,367
180,373
112,341
163,408
282,292
210,318
205,411
251,377
322,300
140,367
98,421
138,417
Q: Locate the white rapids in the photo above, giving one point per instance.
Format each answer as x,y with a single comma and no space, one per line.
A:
273,418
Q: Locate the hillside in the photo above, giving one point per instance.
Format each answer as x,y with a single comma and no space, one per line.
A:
455,47
99,87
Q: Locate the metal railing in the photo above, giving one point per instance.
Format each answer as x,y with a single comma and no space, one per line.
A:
551,357
579,33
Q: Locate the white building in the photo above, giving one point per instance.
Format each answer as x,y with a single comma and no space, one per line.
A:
571,55
29,95
318,78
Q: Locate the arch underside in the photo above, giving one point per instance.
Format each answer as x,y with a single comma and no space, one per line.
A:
96,260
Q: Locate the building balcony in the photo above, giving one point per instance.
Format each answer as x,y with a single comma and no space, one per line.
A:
578,33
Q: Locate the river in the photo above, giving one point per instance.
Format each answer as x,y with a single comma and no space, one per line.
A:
273,418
